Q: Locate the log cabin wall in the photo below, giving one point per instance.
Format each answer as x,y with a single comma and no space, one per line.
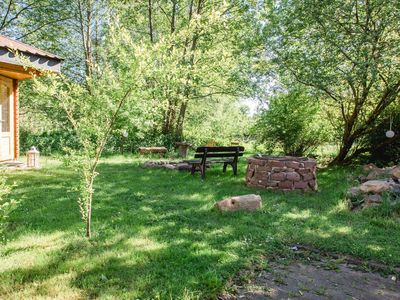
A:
13,68
16,118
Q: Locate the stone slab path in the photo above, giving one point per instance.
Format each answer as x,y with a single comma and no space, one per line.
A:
313,281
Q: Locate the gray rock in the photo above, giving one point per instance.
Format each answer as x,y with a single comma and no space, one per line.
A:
373,198
353,192
396,174
375,186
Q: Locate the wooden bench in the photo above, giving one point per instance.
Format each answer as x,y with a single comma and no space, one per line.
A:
226,156
160,150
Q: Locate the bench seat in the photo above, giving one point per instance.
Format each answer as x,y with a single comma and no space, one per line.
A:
211,161
223,155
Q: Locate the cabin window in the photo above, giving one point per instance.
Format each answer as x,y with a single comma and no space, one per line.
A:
5,108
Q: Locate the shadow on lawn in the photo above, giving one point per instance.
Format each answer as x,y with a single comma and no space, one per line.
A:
155,234
46,202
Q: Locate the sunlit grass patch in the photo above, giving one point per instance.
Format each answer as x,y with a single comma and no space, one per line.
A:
156,234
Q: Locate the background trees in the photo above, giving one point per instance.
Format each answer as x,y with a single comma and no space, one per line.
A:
293,122
204,57
345,50
199,56
196,56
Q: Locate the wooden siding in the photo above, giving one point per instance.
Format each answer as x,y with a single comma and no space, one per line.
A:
16,118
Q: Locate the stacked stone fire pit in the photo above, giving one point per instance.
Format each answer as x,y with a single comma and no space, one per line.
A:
282,172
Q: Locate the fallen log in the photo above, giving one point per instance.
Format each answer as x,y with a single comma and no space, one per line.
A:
246,202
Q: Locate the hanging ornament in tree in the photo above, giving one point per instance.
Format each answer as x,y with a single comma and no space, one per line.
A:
390,132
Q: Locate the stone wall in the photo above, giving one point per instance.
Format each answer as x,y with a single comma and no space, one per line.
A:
282,172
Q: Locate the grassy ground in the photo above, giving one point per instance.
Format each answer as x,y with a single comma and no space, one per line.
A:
157,236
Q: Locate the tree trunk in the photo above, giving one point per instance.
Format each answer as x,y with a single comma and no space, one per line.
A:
89,218
173,17
347,144
151,22
187,89
89,206
85,22
180,121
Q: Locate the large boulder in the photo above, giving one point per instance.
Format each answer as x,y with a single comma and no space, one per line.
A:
246,202
375,186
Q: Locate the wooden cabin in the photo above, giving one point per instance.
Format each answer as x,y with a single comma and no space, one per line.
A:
11,72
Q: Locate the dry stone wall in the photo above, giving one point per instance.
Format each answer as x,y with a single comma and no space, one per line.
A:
282,172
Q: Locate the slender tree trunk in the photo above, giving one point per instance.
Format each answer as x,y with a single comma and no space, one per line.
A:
169,116
89,180
85,21
89,208
187,88
151,22
173,17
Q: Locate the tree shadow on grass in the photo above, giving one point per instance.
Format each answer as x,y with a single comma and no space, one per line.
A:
46,202
156,234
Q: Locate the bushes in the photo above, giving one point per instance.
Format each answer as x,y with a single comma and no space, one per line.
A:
223,121
292,123
48,142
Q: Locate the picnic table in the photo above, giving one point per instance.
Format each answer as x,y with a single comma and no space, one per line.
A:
213,155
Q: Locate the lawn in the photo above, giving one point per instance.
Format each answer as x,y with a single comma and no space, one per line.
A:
155,234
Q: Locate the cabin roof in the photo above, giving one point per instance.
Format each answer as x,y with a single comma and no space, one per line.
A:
11,66
6,42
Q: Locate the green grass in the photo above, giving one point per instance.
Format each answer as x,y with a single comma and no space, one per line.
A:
157,236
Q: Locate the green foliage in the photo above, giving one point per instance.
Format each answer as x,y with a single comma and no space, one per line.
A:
92,109
293,123
196,64
344,50
224,121
382,150
48,142
195,58
6,205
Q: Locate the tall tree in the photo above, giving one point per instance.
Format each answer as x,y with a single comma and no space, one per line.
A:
196,50
346,50
21,18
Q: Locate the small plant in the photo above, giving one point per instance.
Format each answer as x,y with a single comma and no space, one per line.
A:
293,294
93,109
302,287
321,291
6,206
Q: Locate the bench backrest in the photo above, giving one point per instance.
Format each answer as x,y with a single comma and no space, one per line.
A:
233,151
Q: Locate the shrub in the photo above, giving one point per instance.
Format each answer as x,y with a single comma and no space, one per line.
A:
48,142
292,123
